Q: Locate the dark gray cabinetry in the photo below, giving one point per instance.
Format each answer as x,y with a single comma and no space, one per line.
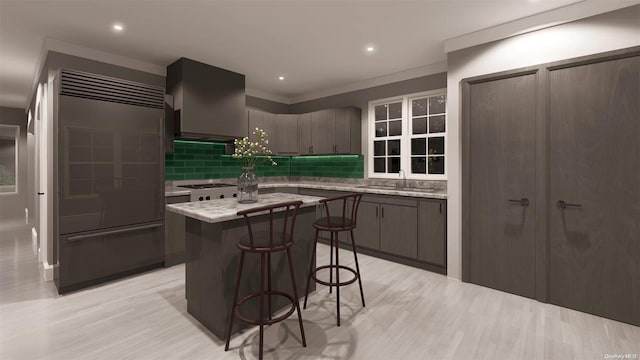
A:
402,229
285,134
304,134
348,131
210,101
399,230
367,233
174,232
323,131
432,231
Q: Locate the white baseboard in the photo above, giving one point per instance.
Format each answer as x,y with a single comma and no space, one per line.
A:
47,271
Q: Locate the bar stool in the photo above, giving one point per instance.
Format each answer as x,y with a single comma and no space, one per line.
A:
265,243
335,225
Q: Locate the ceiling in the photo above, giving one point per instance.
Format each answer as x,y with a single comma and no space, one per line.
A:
315,45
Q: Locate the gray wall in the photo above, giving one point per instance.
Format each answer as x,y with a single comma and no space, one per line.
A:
12,206
267,105
361,98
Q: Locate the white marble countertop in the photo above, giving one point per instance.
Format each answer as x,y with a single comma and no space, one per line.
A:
368,189
219,210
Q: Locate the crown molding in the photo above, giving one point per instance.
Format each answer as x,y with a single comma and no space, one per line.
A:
267,96
377,81
568,13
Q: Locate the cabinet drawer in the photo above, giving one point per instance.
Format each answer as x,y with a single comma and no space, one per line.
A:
94,255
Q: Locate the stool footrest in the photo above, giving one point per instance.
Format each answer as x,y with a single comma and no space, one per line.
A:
236,308
342,283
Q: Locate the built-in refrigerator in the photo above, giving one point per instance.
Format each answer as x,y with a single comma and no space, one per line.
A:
109,204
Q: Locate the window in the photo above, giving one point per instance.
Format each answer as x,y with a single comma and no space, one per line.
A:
408,133
9,135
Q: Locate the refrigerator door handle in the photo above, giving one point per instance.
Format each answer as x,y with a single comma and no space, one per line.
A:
112,232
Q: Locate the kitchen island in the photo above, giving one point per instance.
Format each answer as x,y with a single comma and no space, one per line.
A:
212,231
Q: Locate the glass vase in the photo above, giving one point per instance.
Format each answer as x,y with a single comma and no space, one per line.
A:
247,186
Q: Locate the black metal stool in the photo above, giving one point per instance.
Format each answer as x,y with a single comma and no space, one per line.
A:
336,224
265,243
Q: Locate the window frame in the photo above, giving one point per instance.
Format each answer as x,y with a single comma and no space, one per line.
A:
405,138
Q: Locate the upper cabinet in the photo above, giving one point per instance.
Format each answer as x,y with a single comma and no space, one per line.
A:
332,131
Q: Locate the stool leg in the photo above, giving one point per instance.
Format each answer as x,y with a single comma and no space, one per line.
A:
269,282
311,262
337,281
235,300
355,256
331,263
295,296
262,266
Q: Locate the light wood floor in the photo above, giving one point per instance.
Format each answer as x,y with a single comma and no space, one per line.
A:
410,314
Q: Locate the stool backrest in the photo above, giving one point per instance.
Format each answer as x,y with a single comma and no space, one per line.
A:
350,205
290,210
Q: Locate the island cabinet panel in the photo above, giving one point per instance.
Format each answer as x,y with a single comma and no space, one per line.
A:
432,240
304,134
174,232
399,230
285,135
367,234
212,260
323,131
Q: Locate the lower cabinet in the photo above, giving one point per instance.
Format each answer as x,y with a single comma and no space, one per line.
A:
399,230
402,229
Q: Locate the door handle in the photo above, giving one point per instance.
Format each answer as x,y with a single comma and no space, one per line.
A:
564,205
521,202
113,232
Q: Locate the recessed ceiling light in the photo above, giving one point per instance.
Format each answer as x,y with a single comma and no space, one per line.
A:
280,77
370,48
117,27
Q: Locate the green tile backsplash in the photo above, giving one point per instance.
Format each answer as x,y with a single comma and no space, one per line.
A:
192,160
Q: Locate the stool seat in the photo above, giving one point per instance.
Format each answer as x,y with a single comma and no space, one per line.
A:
337,223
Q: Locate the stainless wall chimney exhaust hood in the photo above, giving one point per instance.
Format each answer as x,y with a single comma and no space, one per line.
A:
208,102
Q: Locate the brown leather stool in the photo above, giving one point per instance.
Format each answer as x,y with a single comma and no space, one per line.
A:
265,243
335,225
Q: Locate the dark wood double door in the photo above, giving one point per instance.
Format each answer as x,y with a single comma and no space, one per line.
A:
551,183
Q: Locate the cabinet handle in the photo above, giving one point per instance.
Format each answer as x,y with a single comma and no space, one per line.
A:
440,208
311,149
383,211
563,205
112,232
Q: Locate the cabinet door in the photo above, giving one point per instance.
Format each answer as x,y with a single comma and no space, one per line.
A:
501,232
285,136
347,131
323,131
399,230
304,134
594,118
255,121
269,125
367,233
432,241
